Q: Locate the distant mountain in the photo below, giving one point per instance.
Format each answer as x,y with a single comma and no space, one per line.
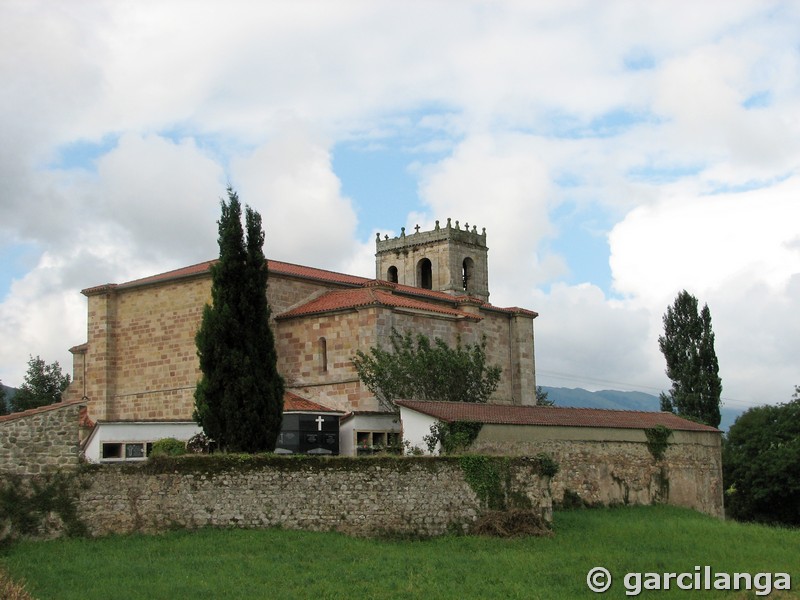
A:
616,400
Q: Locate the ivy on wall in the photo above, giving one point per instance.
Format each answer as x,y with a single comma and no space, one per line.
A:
657,440
29,504
490,478
454,437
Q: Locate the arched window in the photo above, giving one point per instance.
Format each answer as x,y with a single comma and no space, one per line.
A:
391,275
425,274
467,267
323,354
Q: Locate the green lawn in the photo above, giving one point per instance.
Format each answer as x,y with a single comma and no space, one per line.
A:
291,564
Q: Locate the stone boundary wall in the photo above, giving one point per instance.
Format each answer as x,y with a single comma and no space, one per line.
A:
40,440
418,496
624,472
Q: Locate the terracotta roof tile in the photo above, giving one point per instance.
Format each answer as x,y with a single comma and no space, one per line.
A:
294,403
293,270
274,266
369,296
551,415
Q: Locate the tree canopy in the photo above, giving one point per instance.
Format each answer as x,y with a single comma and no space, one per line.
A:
688,347
416,369
3,405
239,398
761,464
44,384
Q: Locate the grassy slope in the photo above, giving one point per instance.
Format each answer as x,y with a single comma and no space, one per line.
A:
291,564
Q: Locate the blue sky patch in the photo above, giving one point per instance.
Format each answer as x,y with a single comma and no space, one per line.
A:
758,100
583,241
16,261
638,59
606,125
663,173
83,154
747,186
379,182
377,172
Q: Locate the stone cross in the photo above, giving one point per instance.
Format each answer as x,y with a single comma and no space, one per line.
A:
320,420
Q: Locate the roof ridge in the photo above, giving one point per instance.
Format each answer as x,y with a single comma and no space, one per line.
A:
41,409
553,415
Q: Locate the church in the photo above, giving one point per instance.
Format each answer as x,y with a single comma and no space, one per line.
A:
138,368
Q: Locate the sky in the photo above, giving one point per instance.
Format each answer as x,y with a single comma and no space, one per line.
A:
616,152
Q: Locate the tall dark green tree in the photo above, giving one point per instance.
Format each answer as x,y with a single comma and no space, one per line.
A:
3,405
44,384
239,398
688,347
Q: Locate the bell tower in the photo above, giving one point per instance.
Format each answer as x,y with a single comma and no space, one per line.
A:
446,259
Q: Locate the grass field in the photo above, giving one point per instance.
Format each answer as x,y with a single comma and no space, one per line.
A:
291,564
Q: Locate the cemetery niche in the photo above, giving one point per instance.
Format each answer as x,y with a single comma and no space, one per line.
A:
308,434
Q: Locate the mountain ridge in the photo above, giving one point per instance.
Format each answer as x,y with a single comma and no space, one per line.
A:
619,400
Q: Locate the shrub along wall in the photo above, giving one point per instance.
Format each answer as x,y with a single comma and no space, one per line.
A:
415,496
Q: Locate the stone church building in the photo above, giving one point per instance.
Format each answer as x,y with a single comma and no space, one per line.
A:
138,368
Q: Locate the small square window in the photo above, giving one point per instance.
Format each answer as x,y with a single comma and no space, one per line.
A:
134,451
112,450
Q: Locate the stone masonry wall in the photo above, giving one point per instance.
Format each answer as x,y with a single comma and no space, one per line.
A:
140,356
624,472
415,496
40,440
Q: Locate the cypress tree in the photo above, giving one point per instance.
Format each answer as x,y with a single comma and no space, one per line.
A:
688,347
239,398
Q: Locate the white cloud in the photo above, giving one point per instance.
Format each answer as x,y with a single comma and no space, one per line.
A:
583,339
636,110
290,181
499,184
704,242
163,196
739,254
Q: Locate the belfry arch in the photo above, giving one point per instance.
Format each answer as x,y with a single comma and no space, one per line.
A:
451,259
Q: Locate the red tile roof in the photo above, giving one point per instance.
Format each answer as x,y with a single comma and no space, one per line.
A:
274,266
551,415
294,403
293,270
370,296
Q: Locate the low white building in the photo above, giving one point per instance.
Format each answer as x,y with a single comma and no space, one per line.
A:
119,441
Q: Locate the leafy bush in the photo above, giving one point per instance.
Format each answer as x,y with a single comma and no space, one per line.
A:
199,444
168,447
417,368
547,464
454,437
761,464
